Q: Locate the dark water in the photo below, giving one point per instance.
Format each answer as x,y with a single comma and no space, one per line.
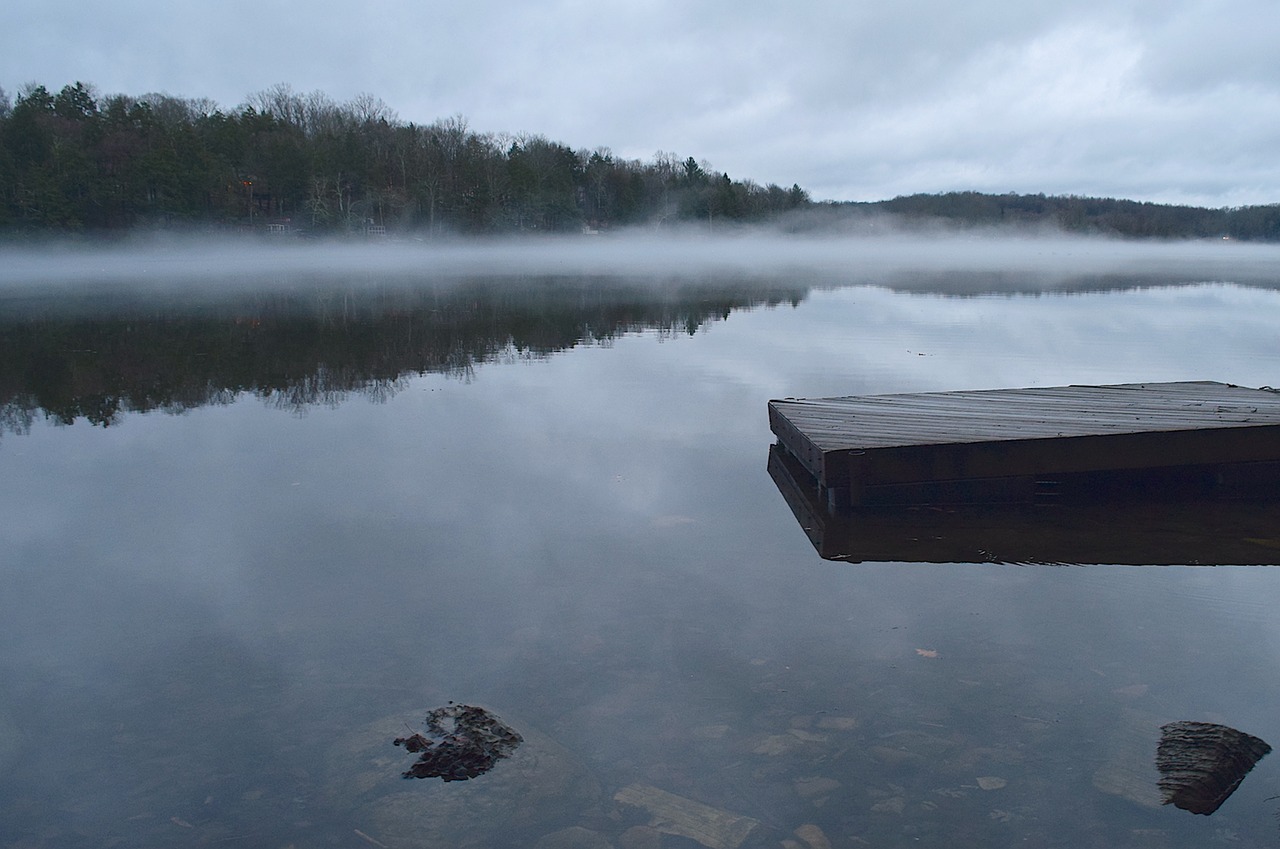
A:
316,512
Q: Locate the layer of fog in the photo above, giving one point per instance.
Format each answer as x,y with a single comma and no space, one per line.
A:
177,263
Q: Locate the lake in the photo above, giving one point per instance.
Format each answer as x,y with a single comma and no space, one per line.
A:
264,509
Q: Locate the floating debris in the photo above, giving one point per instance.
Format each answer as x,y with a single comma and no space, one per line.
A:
461,742
1201,764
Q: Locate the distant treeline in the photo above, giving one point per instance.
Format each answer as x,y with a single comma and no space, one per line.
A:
1103,216
75,161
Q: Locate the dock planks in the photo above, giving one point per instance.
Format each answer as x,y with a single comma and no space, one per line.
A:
1007,444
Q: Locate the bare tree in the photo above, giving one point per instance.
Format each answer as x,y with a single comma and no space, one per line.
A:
370,109
27,89
202,107
282,103
323,115
172,111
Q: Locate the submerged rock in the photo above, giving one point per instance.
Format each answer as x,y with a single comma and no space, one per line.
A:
462,741
676,815
575,837
813,837
838,723
536,789
640,837
1201,764
1127,770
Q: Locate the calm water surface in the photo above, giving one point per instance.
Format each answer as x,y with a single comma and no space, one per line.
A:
316,514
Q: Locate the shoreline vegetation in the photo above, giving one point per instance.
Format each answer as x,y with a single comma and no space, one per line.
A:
286,163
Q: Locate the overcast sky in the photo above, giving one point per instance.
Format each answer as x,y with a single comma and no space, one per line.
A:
1162,100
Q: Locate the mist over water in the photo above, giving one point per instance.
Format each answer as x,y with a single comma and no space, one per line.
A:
244,263
266,505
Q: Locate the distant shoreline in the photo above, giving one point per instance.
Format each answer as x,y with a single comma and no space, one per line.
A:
283,163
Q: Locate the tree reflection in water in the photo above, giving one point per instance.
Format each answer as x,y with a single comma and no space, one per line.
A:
96,358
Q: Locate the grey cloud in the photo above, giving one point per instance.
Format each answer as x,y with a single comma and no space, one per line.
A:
1175,101
1212,45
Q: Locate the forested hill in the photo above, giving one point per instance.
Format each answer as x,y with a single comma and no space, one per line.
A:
74,161
1104,216
286,162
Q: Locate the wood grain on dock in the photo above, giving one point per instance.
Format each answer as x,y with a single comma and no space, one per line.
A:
858,446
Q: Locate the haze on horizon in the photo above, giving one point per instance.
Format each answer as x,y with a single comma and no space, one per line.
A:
168,263
1170,102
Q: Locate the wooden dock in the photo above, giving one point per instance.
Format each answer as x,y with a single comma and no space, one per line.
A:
1151,440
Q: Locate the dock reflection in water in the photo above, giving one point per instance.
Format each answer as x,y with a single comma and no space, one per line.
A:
1120,532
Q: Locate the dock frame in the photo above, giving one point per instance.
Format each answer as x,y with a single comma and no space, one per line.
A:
1151,440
